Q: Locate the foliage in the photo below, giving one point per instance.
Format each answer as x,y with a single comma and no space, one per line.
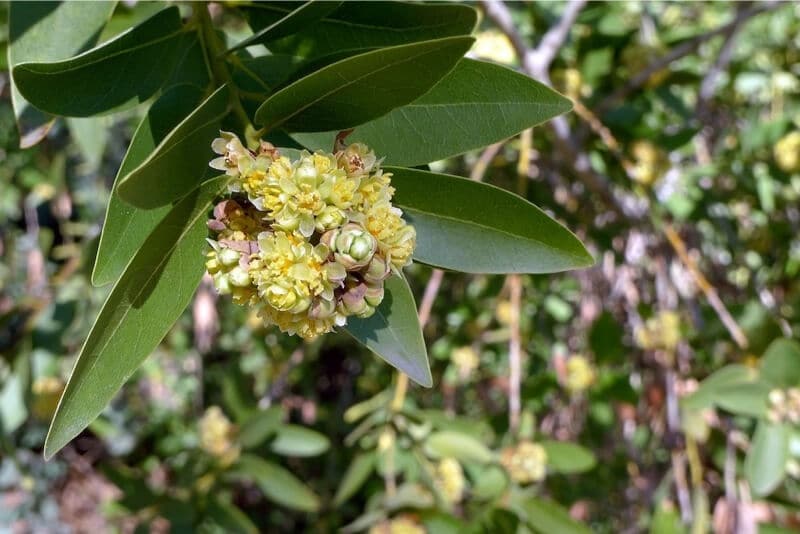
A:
656,390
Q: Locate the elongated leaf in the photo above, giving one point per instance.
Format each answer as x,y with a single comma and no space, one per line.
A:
226,515
765,465
126,227
363,87
463,447
475,105
780,365
122,72
356,475
278,484
365,25
259,426
566,457
394,334
478,228
749,398
728,376
180,161
547,517
151,294
295,20
48,31
293,440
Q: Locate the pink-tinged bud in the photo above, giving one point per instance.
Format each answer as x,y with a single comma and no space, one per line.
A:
377,271
322,308
374,295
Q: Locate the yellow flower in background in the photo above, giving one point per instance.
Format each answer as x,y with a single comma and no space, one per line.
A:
580,373
466,361
525,463
663,331
46,392
787,152
403,524
307,242
217,436
449,480
495,46
650,162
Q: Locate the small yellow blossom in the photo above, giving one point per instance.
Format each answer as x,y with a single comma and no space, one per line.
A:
660,332
466,361
449,480
217,436
46,391
787,152
580,373
404,524
494,45
525,463
650,162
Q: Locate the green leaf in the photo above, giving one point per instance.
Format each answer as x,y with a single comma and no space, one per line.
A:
748,399
293,22
463,447
117,74
728,376
765,465
490,483
277,484
126,227
151,294
226,515
547,517
780,365
294,440
475,105
565,457
180,161
365,25
474,227
259,426
394,334
363,87
356,475
48,31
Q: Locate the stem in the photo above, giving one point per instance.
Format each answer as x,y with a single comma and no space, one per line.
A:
213,50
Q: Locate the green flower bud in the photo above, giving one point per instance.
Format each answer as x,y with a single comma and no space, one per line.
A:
353,301
352,245
377,271
239,277
374,295
229,257
222,283
322,308
331,217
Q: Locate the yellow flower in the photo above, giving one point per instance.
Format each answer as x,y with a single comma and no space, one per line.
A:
660,332
466,360
494,45
787,152
46,392
650,162
449,480
217,436
404,524
580,373
525,463
396,238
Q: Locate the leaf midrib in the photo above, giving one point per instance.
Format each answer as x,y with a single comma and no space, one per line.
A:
497,230
354,80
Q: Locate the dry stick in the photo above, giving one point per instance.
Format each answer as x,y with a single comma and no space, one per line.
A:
705,286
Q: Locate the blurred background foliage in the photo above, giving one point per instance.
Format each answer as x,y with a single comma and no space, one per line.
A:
657,391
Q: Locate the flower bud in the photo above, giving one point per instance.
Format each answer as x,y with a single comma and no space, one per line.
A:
357,159
374,295
229,257
222,283
777,398
231,152
352,245
377,271
239,277
322,308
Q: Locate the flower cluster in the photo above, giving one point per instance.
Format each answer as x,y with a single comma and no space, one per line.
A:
784,405
308,242
525,463
218,436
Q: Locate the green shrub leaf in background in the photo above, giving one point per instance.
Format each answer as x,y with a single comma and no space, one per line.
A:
116,74
566,457
393,332
780,365
294,21
364,25
473,227
356,475
278,484
153,291
294,440
547,517
180,161
259,426
459,114
463,447
126,227
765,465
48,31
363,87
